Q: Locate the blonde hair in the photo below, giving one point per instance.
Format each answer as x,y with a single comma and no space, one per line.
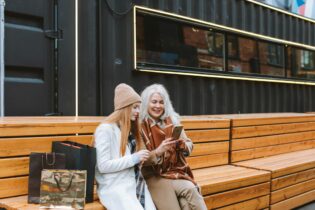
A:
168,107
122,118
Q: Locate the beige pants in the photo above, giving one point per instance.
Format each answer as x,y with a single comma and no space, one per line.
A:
175,194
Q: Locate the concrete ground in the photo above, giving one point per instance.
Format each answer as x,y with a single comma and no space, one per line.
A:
309,206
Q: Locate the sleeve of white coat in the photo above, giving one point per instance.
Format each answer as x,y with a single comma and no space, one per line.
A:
106,164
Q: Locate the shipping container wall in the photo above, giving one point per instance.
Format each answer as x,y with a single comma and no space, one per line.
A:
113,64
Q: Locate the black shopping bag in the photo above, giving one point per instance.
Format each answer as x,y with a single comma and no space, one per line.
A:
79,157
38,162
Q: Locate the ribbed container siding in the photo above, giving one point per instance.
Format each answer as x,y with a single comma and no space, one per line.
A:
113,58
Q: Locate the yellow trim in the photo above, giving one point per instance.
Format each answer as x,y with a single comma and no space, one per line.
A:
282,11
227,77
225,28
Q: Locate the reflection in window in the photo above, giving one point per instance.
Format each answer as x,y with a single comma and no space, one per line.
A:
172,44
271,59
307,59
243,56
301,63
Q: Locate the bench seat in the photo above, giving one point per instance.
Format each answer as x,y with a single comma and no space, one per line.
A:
232,187
293,174
282,144
223,187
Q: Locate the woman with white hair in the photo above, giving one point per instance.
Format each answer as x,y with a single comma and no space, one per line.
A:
170,181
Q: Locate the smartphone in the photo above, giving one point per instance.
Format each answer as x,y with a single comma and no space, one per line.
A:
177,130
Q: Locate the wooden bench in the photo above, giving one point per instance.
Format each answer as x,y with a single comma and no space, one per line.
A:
223,186
19,136
283,144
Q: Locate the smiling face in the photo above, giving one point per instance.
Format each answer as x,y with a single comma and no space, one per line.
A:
156,106
135,111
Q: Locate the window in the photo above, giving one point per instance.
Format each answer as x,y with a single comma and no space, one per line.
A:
170,44
174,45
307,60
275,55
245,53
301,63
271,59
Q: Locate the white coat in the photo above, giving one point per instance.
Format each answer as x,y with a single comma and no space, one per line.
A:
114,174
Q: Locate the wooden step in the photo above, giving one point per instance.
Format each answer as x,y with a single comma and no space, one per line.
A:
291,191
283,164
237,195
252,204
224,178
295,201
292,179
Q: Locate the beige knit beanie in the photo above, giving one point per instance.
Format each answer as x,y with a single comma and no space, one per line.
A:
125,96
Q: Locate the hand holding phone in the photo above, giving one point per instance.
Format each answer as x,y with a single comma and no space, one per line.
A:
177,130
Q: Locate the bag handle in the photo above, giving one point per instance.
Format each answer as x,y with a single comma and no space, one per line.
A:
58,182
47,160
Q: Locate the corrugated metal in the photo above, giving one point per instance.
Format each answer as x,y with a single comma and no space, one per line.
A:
194,95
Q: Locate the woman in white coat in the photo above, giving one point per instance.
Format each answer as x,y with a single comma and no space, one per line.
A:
117,142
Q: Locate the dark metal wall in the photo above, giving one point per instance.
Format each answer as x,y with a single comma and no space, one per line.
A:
33,85
190,95
28,58
106,58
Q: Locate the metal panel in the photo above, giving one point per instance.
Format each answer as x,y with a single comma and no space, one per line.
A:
197,95
28,79
66,79
2,4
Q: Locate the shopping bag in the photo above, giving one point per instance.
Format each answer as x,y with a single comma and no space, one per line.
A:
79,157
64,189
38,162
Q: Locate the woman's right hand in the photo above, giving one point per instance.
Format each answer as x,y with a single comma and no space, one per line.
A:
143,155
166,145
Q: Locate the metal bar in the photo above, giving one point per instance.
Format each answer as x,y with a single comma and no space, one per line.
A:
2,5
76,61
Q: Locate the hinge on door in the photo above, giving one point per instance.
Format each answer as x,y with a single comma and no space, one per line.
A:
52,34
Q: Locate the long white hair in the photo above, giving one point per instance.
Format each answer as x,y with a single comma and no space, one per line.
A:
168,107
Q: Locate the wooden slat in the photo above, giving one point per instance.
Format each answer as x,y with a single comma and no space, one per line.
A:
223,178
207,160
253,204
269,118
205,123
24,146
20,203
37,130
238,195
292,191
295,201
242,132
210,148
283,164
208,135
271,150
263,141
13,186
292,179
14,167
